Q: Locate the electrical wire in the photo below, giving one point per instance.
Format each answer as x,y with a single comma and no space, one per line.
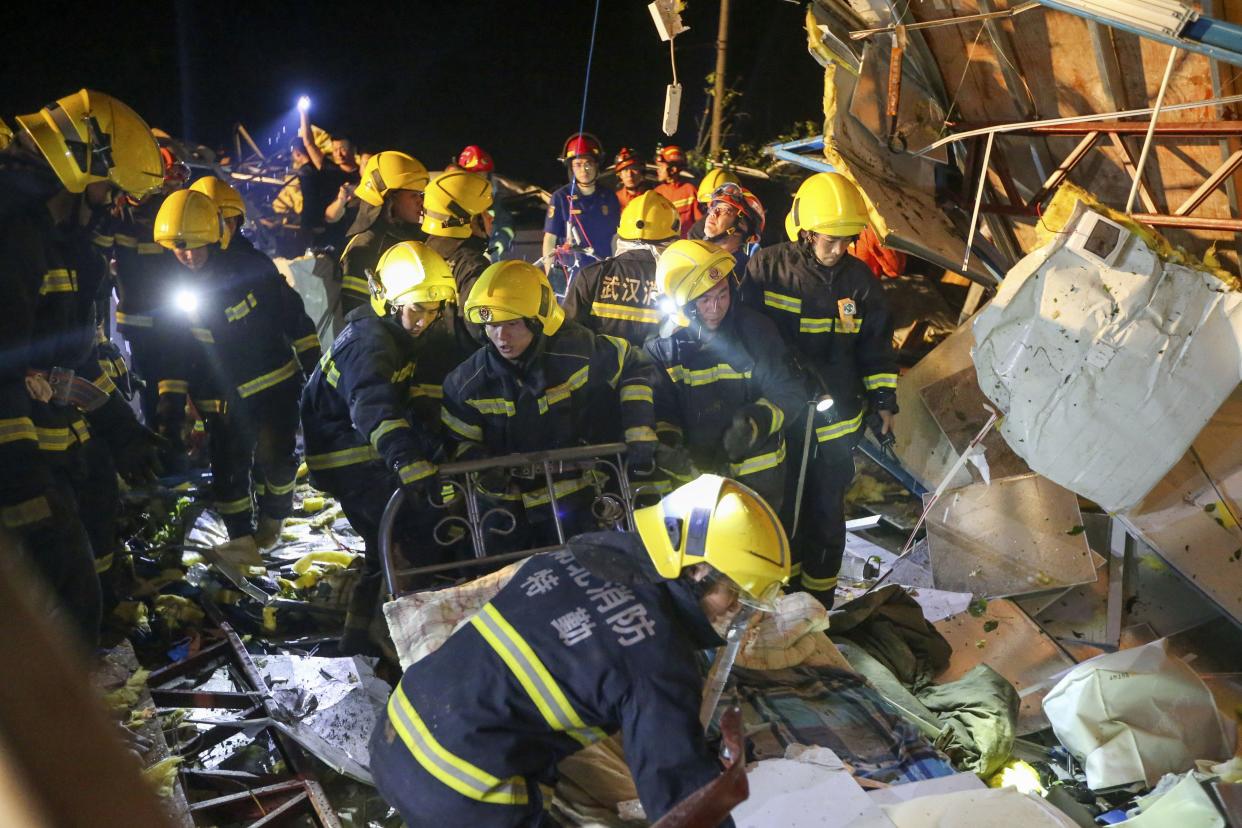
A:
586,87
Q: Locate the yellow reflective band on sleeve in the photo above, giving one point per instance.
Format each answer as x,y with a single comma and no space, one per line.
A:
403,373
104,382
59,280
623,350
819,584
341,458
795,570
26,512
125,241
330,372
239,311
778,416
415,471
467,779
462,428
759,463
874,381
81,430
386,427
562,392
55,439
104,563
563,488
780,301
211,406
101,240
234,507
705,376
640,434
829,324
17,428
306,343
636,393
149,249
355,285
266,381
626,313
832,431
533,676
174,387
135,320
665,427
435,392
493,405
203,335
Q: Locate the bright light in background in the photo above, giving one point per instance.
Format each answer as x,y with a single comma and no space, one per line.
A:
186,300
825,403
668,305
303,103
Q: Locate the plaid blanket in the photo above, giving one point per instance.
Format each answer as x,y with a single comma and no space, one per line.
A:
835,709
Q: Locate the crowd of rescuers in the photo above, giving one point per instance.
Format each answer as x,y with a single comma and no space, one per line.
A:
700,350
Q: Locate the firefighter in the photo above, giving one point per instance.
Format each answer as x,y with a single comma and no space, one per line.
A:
583,642
715,178
629,170
581,215
541,382
363,438
391,193
58,178
735,221
833,315
255,343
618,295
458,225
725,387
232,209
670,161
475,159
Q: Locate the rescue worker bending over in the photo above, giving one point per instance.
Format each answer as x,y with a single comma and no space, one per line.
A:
725,388
832,313
683,195
391,196
618,295
581,215
581,643
475,159
458,224
628,167
58,491
255,342
735,221
540,383
713,180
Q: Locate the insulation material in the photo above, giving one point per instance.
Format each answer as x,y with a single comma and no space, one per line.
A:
1095,346
1135,715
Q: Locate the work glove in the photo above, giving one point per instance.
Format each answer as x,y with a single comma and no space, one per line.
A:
640,456
493,481
137,457
741,437
675,460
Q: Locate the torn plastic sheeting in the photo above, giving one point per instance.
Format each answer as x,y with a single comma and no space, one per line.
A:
794,791
1135,715
1184,805
978,809
1106,360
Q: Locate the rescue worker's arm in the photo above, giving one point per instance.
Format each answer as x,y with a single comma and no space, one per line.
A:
462,424
668,420
378,409
308,140
877,364
553,230
631,372
297,325
578,298
784,395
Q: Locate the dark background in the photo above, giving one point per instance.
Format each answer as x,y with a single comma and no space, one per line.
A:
426,77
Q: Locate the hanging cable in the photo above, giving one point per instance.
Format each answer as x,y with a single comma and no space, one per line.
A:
586,88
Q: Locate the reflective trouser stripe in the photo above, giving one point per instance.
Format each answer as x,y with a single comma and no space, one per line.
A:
819,584
234,507
455,772
280,489
343,457
640,434
266,381
26,512
832,431
762,462
533,676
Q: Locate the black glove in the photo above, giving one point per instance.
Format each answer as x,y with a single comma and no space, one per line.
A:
741,437
137,457
640,456
494,481
675,460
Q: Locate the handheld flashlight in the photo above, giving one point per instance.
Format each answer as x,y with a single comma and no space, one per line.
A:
303,103
186,300
823,403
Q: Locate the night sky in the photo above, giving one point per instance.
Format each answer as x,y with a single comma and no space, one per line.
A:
425,77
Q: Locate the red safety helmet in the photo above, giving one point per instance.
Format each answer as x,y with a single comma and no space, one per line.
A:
626,158
582,144
475,159
748,207
672,155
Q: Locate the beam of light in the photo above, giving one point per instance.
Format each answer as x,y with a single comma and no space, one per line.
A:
186,300
824,404
303,103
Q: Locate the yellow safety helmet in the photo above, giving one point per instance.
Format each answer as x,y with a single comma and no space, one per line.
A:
829,203
687,269
6,134
513,289
412,272
451,200
390,170
89,136
711,182
186,220
791,227
649,217
226,198
720,522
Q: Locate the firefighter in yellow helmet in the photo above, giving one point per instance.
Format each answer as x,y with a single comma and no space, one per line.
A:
232,209
63,424
254,344
594,639
724,388
618,295
364,437
391,196
543,382
832,314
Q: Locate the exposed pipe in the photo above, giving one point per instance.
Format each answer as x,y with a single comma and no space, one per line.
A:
1151,129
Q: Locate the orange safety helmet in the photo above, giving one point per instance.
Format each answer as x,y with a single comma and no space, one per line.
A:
749,209
582,144
672,155
475,159
176,171
626,158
